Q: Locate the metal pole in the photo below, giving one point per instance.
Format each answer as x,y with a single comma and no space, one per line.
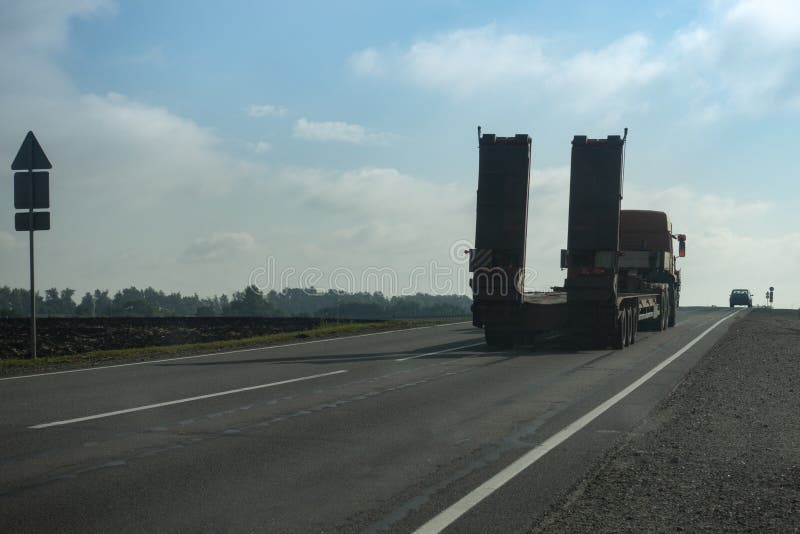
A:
33,285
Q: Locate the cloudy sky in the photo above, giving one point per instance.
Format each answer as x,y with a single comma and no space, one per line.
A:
196,145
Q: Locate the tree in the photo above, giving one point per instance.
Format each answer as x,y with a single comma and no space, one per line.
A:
102,303
51,302
250,303
86,307
66,306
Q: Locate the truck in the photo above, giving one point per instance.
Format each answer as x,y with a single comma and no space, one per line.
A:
621,271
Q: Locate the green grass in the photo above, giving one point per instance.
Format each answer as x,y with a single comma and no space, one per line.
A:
326,330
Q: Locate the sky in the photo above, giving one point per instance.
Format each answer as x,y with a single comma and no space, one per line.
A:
202,146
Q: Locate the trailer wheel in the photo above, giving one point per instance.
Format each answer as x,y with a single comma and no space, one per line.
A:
673,308
498,339
628,325
621,335
634,323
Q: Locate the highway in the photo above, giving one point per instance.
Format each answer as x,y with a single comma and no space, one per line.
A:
393,431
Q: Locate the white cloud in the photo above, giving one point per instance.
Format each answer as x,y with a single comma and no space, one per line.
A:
773,22
462,62
367,62
378,217
266,110
339,131
259,147
743,59
219,246
377,192
600,76
43,26
480,61
127,150
7,241
466,61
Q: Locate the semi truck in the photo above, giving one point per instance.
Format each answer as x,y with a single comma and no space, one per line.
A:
621,272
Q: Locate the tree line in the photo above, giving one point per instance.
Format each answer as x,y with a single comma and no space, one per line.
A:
250,302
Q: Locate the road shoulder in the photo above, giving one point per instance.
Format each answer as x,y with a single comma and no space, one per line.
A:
722,452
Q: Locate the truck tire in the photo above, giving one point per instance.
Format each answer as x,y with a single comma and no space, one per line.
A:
673,307
498,339
621,334
628,325
634,323
664,319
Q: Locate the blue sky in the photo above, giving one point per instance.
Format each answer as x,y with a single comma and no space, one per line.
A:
193,141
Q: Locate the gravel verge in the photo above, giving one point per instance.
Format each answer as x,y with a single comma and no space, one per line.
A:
721,453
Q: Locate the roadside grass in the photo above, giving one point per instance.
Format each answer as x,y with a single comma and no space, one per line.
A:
325,330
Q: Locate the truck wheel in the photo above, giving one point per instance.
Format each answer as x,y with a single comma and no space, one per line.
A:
634,324
664,313
628,325
621,335
673,308
498,339
491,337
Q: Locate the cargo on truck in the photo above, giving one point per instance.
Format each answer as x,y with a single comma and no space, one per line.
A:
621,272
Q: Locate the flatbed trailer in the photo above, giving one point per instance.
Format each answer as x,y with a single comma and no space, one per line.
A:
593,303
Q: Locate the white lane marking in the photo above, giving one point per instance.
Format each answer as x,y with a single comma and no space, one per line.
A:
181,401
450,324
104,367
448,516
439,352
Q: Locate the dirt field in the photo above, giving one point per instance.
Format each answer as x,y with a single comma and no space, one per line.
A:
64,336
721,454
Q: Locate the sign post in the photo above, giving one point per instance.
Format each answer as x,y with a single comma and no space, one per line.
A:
31,190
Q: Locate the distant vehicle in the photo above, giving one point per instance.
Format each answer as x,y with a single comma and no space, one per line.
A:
741,297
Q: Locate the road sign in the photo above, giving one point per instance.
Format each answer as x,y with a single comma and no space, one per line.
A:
30,155
41,190
31,191
41,221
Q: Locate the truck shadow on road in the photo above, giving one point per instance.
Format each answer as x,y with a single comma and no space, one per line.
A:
560,345
355,357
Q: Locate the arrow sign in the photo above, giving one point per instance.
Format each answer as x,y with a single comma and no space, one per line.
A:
30,156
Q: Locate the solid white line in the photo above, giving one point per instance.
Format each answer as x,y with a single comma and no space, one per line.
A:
448,516
181,401
268,347
439,352
449,324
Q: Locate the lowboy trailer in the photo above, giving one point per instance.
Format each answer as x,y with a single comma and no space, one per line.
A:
610,291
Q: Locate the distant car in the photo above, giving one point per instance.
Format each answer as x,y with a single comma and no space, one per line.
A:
741,297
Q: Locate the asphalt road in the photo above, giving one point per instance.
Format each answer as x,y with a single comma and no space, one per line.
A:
378,432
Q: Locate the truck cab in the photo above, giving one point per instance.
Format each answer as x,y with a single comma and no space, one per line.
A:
647,254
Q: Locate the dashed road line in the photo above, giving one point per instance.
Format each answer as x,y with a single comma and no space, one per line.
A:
181,401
